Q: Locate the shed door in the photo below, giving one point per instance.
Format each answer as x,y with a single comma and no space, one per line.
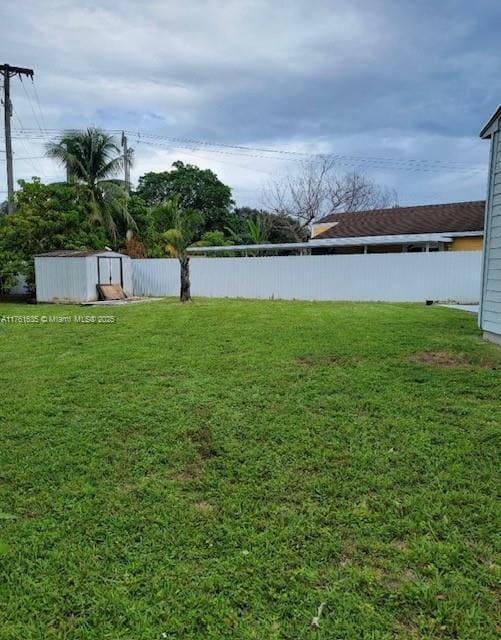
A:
109,270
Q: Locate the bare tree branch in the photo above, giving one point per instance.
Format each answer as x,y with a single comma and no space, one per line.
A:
317,190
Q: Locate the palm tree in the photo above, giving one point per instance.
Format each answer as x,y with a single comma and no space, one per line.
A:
93,158
256,231
185,224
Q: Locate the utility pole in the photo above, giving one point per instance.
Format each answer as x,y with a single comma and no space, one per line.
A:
8,72
126,162
130,233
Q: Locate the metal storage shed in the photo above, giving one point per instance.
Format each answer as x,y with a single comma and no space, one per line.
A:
73,276
490,302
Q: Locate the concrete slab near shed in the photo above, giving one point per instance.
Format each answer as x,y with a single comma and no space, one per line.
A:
117,303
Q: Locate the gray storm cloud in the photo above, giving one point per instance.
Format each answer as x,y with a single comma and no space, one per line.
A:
360,78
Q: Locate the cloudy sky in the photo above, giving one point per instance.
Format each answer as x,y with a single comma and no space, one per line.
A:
396,88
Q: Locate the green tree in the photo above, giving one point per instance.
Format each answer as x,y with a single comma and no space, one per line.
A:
198,189
163,214
145,232
47,217
10,266
186,224
215,239
93,158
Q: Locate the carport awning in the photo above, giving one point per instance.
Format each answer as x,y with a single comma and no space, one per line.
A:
420,238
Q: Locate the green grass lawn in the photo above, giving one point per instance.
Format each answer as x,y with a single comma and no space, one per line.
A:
220,469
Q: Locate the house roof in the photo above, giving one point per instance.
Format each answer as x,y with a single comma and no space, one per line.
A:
435,218
70,253
487,128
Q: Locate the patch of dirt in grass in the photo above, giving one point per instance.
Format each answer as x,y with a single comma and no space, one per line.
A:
401,545
348,551
451,360
493,366
186,476
202,439
308,362
406,629
31,515
491,565
395,582
202,410
127,487
204,506
204,442
445,359
188,479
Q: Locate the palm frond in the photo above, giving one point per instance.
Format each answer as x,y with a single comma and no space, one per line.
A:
115,199
111,168
235,237
174,243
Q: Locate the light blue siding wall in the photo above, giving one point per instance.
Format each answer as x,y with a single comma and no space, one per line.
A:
490,314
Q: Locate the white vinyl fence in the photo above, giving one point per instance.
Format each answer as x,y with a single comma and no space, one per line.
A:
155,277
395,277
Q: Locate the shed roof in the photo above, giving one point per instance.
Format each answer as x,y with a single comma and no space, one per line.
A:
433,218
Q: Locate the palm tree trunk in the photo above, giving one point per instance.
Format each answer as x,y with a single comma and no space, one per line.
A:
185,295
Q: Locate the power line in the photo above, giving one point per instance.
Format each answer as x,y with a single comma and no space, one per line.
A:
337,159
270,154
27,158
37,167
232,164
38,103
301,154
382,161
30,102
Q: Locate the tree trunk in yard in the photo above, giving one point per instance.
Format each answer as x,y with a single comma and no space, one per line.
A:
185,295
